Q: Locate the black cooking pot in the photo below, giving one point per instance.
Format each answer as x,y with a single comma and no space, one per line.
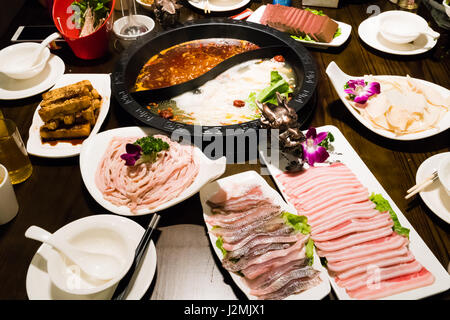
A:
133,59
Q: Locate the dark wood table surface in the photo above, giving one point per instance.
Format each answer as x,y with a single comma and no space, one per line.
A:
187,267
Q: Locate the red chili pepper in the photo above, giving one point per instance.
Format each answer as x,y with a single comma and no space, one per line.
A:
279,58
166,114
238,103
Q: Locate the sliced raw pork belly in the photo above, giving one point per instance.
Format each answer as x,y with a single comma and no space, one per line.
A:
259,243
362,250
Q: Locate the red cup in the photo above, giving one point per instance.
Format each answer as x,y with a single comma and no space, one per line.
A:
92,46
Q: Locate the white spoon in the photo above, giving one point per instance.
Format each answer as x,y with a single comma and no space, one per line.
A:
42,45
98,265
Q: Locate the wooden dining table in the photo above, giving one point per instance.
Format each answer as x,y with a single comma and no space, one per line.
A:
187,266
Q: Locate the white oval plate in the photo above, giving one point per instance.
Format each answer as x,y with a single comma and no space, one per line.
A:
346,30
40,287
368,32
218,6
102,83
434,196
11,89
315,293
345,153
339,79
94,148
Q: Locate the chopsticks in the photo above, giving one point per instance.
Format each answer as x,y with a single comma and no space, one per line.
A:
420,186
124,284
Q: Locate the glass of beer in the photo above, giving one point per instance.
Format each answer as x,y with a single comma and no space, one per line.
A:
13,154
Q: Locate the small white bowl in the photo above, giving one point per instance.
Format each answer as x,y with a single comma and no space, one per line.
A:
127,40
447,7
403,27
444,173
105,236
11,58
146,6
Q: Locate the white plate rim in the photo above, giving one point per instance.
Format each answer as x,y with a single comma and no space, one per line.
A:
57,70
35,146
368,24
339,78
417,246
426,197
138,289
315,293
216,8
346,31
216,167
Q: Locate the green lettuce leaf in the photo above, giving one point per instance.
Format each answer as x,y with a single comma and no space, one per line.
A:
310,251
219,244
298,223
383,205
338,33
316,12
268,94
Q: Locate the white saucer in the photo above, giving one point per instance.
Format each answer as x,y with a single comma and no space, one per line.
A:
434,195
368,32
219,6
11,89
39,286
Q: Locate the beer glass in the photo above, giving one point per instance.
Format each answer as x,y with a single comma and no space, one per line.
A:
13,154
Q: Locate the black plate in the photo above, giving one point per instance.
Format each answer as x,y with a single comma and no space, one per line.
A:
133,59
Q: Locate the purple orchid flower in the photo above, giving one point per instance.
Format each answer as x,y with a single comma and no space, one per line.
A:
133,154
360,91
312,151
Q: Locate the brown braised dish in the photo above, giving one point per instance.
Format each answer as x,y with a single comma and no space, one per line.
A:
69,112
187,61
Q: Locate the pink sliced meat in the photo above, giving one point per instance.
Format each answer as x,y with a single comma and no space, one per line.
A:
248,251
355,225
245,263
391,242
258,269
380,263
217,219
342,266
267,278
265,238
393,286
326,185
263,213
364,209
353,239
374,276
234,193
305,274
327,31
338,218
325,200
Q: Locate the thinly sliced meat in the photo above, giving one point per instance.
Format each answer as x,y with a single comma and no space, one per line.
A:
364,209
342,266
393,286
305,273
390,242
353,239
267,278
263,214
257,250
355,225
325,201
295,286
231,218
269,239
328,186
244,263
235,235
250,204
285,231
234,193
258,269
380,263
373,277
339,218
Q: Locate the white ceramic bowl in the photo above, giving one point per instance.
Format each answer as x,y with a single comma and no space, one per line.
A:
447,7
146,6
12,56
127,40
106,236
403,27
444,173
